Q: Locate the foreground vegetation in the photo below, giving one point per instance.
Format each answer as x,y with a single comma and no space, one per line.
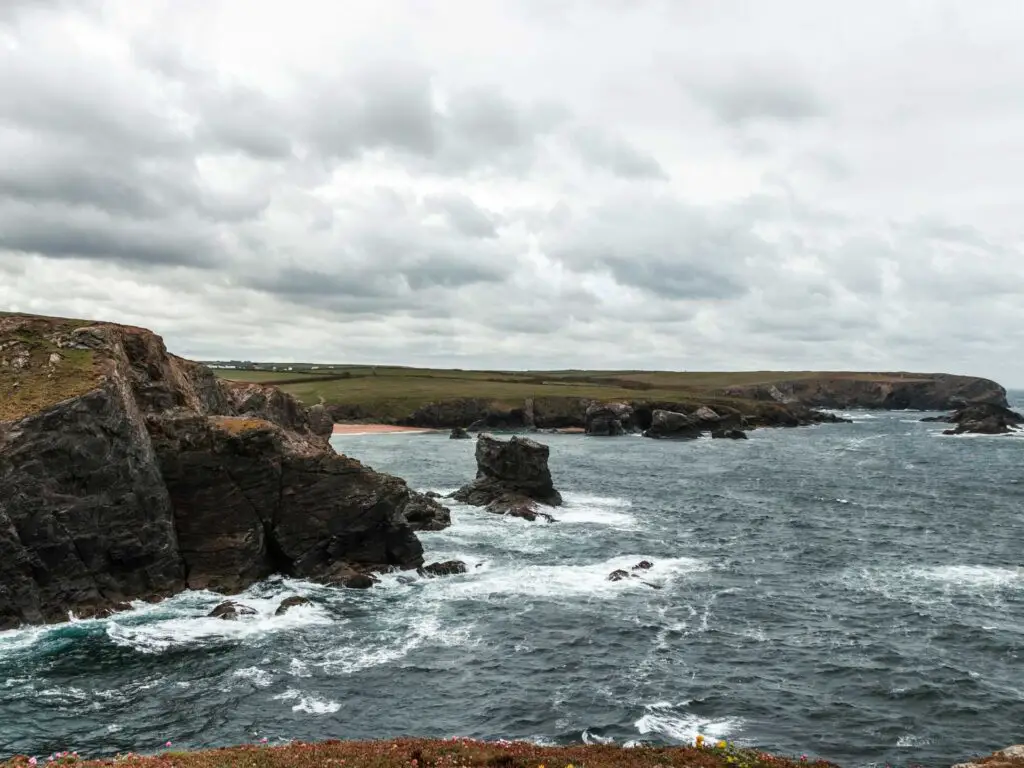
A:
34,371
451,753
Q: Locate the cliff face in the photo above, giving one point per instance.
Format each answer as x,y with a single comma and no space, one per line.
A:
126,472
922,392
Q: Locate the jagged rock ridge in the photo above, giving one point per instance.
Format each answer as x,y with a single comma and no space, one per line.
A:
140,474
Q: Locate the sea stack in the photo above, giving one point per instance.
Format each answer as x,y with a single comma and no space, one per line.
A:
512,478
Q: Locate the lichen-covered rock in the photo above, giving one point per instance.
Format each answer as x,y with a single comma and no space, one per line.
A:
131,473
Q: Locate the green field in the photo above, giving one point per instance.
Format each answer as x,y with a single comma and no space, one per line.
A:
394,392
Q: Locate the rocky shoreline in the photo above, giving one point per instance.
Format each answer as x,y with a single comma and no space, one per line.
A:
154,477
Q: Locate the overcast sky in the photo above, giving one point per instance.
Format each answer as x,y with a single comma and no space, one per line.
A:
681,184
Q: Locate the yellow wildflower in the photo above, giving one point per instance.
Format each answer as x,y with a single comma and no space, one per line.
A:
699,740
722,744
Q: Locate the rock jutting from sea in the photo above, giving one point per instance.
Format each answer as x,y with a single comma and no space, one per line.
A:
129,473
512,478
981,419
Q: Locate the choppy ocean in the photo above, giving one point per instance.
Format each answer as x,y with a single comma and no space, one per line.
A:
854,592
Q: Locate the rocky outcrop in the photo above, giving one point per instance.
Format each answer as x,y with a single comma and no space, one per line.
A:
447,568
512,478
291,602
458,433
144,475
674,425
1010,757
729,434
894,391
424,513
609,419
229,610
983,419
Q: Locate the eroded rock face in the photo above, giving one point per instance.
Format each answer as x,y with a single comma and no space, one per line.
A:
512,478
515,467
154,477
673,425
424,513
609,419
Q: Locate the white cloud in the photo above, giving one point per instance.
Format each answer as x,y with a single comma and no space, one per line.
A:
545,184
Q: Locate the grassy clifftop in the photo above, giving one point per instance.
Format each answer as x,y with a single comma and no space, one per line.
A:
394,392
35,370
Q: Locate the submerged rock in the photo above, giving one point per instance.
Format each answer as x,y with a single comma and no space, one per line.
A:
447,568
643,565
729,434
229,610
459,433
359,581
513,478
291,602
619,575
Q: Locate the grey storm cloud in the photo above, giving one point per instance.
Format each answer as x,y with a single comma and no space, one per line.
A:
353,181
756,94
659,245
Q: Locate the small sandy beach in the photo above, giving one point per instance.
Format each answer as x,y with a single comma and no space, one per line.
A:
376,429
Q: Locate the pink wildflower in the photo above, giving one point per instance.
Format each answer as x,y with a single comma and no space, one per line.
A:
32,761
263,740
167,744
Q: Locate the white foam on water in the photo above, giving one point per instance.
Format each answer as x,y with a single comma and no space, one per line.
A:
910,740
403,635
932,585
188,624
314,705
587,509
560,581
298,668
660,719
258,677
591,738
972,577
854,416
288,695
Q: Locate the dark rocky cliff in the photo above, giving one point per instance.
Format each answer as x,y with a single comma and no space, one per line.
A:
127,472
922,392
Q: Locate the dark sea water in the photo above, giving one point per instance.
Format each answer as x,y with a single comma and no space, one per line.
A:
852,591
